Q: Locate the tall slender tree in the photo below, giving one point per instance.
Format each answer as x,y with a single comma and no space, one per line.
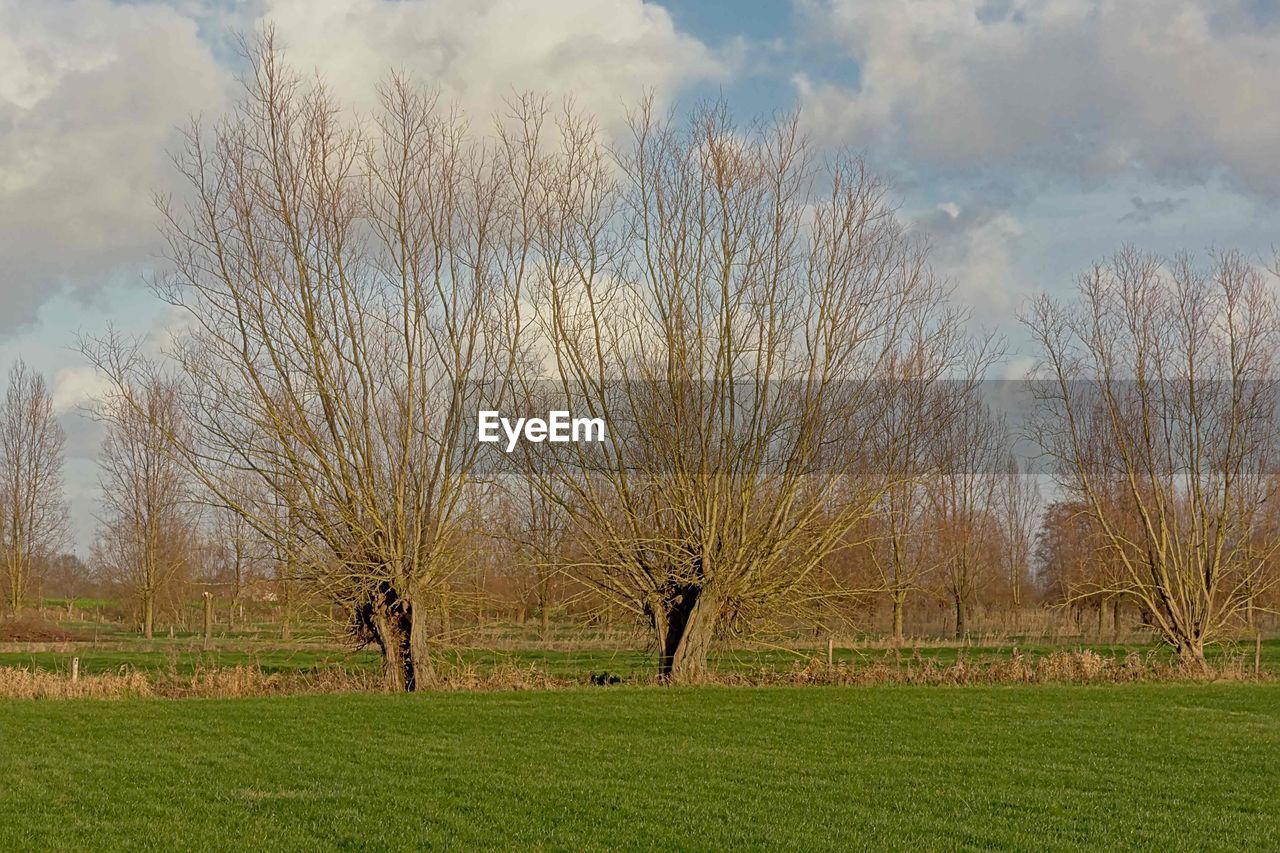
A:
149,525
33,514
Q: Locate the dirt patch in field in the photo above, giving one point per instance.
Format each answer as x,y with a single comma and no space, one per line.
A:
33,629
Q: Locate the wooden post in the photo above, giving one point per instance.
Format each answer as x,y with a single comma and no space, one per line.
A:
75,669
208,620
1257,653
831,647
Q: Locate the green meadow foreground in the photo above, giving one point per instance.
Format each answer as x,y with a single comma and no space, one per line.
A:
1152,765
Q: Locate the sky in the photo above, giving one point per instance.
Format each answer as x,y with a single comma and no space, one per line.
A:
1025,139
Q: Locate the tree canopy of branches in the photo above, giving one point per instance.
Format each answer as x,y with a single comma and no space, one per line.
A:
1159,410
963,500
916,441
238,553
33,515
149,516
1018,505
348,290
729,306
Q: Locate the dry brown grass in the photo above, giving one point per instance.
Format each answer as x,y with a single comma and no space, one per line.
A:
1064,667
235,682
502,677
19,683
212,683
243,681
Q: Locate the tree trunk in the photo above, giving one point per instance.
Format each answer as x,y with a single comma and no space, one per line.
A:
1191,657
391,642
544,610
148,615
960,615
899,600
286,602
421,672
208,621
685,626
399,629
15,586
690,663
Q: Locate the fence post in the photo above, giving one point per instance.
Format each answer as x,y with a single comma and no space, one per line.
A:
208,620
831,646
75,669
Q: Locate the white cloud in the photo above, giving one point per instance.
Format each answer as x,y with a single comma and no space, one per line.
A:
92,91
978,249
74,387
1177,89
90,94
606,53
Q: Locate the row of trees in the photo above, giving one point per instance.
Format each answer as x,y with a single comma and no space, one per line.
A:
729,305
158,537
793,403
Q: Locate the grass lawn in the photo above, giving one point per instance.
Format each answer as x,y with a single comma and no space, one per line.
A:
1169,766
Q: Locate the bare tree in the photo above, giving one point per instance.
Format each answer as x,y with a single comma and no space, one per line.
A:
538,531
33,515
1159,411
350,290
1018,504
149,520
1066,550
929,388
899,545
239,552
963,503
727,306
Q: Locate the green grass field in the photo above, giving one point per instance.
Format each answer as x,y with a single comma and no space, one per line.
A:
1143,766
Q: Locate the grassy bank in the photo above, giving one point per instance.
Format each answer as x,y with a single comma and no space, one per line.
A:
184,657
1134,766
